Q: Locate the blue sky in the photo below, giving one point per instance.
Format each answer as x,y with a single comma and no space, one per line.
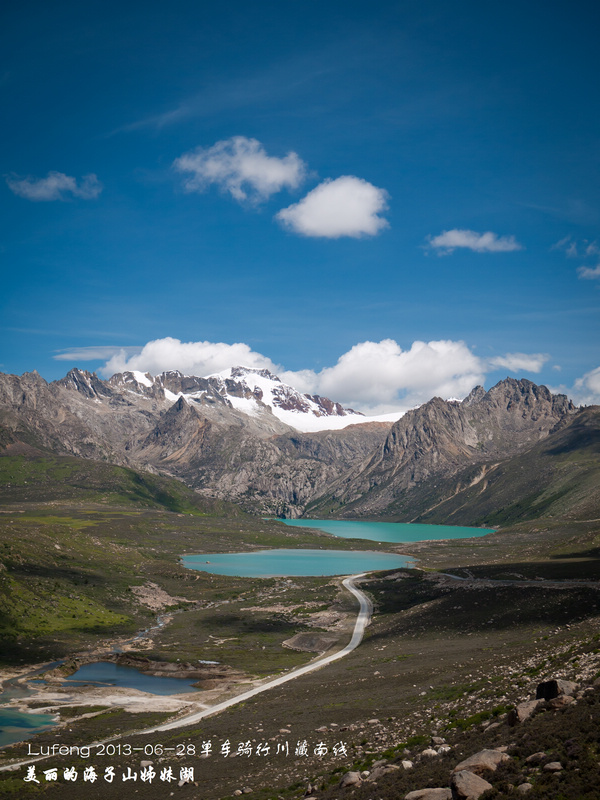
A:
381,201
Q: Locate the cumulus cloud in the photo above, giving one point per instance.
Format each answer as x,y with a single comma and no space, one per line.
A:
372,377
586,390
191,358
56,186
241,167
514,362
589,273
380,376
447,241
346,206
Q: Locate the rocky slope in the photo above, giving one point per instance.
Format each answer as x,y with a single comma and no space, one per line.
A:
430,444
227,437
216,434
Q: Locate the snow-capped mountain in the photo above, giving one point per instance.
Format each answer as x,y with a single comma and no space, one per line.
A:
250,391
245,436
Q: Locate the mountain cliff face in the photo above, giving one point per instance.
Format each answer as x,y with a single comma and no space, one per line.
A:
225,435
431,443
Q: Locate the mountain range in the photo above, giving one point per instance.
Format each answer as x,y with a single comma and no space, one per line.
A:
246,437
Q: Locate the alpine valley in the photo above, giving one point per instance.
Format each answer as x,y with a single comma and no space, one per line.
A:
105,485
245,437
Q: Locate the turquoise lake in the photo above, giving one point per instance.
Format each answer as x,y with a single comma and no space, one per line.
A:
15,726
18,725
284,563
399,532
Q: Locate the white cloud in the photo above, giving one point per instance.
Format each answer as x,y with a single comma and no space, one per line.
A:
575,249
515,362
568,245
191,358
584,249
373,377
589,273
57,186
585,390
378,377
346,206
93,353
241,167
447,241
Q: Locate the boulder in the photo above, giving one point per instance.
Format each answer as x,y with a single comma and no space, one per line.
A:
553,766
407,764
524,787
548,690
562,701
383,769
523,711
536,758
466,785
429,794
484,761
350,779
429,753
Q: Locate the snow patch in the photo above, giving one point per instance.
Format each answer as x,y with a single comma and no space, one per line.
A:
141,378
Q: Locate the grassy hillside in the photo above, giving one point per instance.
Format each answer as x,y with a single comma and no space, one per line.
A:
76,536
36,477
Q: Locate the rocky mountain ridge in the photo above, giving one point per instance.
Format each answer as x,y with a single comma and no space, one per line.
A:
216,434
226,436
433,442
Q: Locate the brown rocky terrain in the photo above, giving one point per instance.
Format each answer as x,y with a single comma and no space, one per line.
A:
430,444
371,469
256,460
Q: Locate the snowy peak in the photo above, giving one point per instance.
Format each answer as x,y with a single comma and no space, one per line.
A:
251,391
301,411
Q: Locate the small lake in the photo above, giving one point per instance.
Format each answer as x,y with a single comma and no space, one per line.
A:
399,532
106,673
285,563
15,726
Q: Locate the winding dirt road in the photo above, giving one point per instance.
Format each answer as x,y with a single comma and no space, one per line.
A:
362,620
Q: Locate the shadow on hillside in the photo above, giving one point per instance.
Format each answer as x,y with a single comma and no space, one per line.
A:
579,565
75,576
423,606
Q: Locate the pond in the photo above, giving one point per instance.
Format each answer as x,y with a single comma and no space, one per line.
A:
106,673
15,726
18,725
